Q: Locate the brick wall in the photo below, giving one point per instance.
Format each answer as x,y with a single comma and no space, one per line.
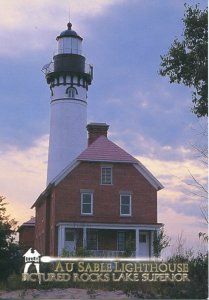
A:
26,237
106,197
40,228
64,204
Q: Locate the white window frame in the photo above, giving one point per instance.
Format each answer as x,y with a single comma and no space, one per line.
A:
84,213
130,205
105,167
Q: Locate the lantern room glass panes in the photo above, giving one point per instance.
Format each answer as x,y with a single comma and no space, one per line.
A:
69,45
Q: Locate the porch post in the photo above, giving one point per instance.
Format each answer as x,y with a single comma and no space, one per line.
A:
61,239
84,237
151,243
137,242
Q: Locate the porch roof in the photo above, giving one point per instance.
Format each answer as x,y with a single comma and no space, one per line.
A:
118,226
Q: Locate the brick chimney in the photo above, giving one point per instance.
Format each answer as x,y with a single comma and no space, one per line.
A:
95,130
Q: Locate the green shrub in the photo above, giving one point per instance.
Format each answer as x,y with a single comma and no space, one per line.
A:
14,282
196,288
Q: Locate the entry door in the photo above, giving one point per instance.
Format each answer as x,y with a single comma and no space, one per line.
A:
143,244
70,239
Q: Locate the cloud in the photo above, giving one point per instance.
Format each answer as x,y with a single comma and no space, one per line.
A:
159,98
17,14
178,194
145,111
23,177
140,144
178,208
30,26
179,226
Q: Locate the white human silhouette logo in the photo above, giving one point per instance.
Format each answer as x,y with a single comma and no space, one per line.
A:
32,258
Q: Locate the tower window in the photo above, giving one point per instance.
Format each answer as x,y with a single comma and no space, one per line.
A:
72,92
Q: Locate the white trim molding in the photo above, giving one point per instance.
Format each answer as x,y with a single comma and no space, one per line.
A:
148,175
111,226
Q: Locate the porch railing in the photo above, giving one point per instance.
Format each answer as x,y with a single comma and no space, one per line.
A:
108,253
49,68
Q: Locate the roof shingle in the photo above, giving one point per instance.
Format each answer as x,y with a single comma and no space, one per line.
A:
105,150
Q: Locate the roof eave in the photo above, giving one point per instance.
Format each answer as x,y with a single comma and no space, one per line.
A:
65,172
148,175
25,225
108,160
54,182
43,195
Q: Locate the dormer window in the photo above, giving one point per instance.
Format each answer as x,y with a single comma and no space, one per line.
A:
72,92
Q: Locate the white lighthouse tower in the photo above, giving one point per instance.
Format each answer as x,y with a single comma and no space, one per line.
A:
68,77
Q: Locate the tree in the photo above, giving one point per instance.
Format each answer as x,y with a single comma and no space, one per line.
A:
187,60
198,184
9,250
160,242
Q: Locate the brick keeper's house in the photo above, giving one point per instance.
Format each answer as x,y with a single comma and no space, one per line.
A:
98,197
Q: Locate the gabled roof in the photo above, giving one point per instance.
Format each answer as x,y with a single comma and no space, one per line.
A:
29,223
101,150
105,150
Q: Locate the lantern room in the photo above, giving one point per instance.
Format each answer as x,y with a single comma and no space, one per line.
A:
69,42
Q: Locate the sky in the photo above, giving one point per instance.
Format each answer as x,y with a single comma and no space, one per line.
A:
148,117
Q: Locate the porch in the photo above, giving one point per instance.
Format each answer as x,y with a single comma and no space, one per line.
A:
108,253
107,240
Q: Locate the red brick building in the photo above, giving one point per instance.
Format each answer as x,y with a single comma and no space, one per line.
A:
27,234
103,201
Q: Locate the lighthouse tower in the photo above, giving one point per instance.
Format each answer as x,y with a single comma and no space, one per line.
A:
68,77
